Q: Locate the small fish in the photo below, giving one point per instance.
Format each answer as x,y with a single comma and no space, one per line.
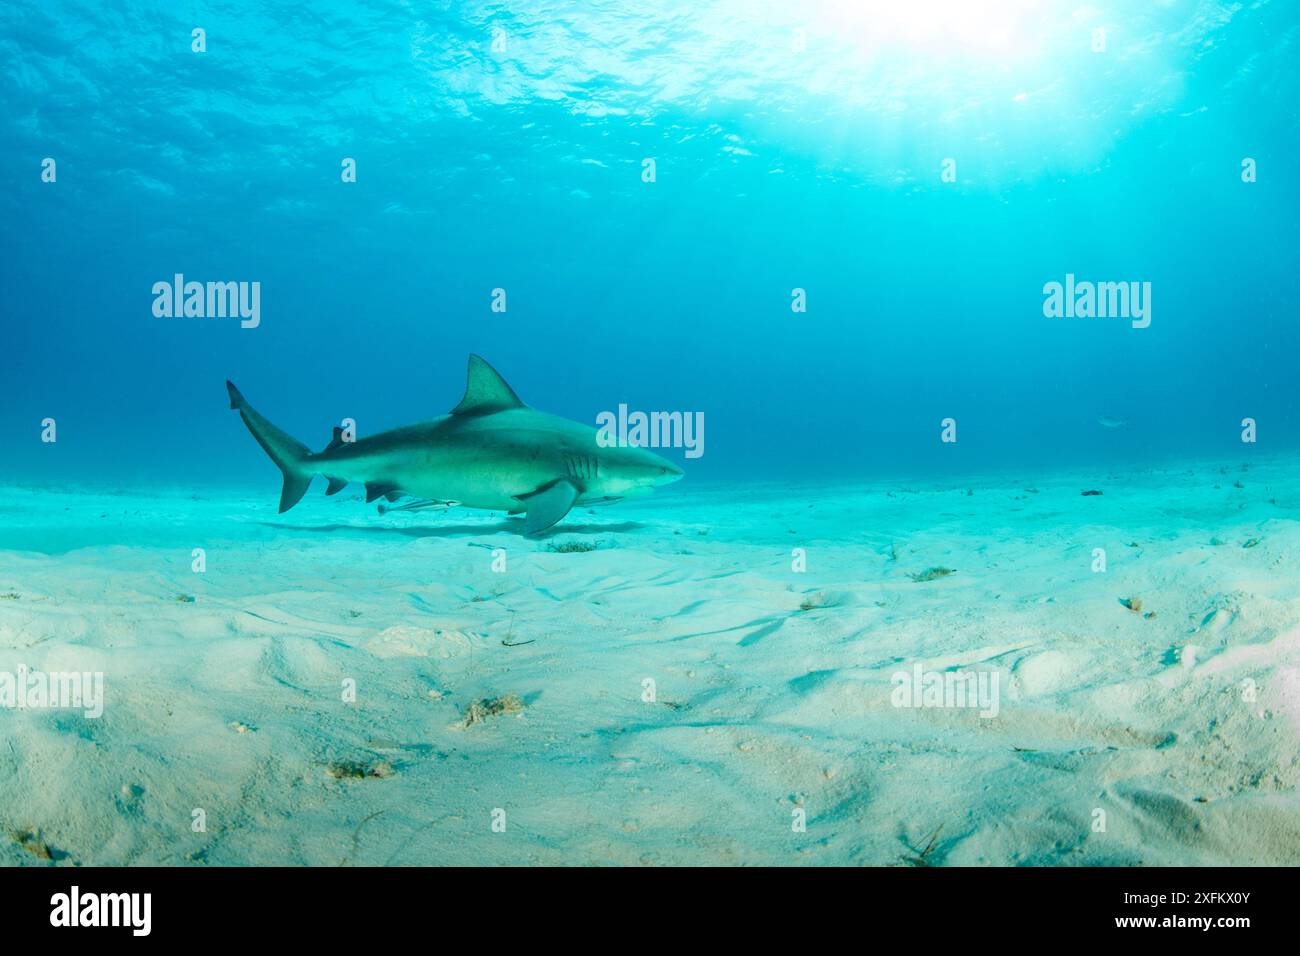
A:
418,505
1107,422
933,574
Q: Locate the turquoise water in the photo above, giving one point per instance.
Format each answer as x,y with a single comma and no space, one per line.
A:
795,146
855,220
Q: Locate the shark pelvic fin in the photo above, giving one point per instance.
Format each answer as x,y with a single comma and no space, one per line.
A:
381,489
548,505
290,455
336,485
485,391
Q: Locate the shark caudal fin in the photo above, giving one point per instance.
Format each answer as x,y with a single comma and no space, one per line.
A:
290,455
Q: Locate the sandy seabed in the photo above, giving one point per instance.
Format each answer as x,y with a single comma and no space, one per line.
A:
1165,734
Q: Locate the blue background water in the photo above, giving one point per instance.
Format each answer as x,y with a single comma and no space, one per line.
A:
776,168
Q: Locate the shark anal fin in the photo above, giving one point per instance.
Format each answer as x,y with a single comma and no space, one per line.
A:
485,391
548,505
336,485
381,489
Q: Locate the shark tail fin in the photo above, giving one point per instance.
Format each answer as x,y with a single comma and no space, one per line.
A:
291,456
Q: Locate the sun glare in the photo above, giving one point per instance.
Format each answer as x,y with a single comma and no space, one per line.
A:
997,28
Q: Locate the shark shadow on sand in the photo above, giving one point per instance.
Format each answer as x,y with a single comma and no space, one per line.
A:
451,530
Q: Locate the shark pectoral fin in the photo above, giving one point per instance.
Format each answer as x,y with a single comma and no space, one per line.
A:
336,485
546,506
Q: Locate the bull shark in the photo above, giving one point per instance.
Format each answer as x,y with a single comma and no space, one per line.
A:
492,451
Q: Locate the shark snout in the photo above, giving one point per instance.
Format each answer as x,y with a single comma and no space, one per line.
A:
668,473
631,470
655,470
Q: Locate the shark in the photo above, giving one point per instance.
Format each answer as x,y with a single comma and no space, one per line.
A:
491,452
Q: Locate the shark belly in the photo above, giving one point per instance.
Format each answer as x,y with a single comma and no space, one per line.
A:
475,472
495,483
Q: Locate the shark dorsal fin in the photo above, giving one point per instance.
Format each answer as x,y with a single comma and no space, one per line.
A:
485,391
